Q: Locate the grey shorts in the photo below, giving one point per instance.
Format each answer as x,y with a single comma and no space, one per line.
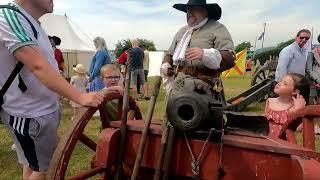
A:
35,138
135,74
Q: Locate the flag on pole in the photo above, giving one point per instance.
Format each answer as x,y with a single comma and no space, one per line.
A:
261,36
240,68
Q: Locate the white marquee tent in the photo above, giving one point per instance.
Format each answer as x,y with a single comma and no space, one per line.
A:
74,49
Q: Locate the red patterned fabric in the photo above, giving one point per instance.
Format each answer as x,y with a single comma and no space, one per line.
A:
276,120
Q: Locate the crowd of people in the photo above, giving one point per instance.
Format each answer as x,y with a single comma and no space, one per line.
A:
202,49
297,82
31,103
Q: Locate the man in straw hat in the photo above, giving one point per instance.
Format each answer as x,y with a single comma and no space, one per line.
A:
203,48
31,108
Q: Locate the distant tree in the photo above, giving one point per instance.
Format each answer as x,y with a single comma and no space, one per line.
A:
121,46
285,44
242,46
124,44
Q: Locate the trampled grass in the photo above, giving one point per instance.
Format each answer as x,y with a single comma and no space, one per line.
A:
81,157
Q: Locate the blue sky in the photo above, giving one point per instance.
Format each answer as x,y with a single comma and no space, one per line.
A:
158,21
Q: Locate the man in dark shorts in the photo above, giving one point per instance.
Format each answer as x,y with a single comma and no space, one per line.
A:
136,56
31,108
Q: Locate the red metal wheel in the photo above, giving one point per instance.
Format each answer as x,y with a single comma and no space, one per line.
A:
61,157
305,116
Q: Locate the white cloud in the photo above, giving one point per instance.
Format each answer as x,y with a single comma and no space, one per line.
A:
158,21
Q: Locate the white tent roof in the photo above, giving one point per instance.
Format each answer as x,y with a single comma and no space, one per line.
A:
58,25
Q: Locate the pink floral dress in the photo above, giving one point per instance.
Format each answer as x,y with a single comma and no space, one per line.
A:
276,120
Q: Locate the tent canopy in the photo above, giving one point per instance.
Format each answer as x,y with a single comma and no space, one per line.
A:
59,25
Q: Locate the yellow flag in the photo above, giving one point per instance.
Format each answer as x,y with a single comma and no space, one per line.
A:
240,68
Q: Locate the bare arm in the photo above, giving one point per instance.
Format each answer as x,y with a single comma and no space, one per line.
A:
32,58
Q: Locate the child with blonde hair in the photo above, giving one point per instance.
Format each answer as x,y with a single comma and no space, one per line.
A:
113,81
80,81
293,91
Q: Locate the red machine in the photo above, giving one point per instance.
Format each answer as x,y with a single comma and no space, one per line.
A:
229,154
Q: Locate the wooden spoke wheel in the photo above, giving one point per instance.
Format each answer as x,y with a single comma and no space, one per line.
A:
66,146
305,116
263,73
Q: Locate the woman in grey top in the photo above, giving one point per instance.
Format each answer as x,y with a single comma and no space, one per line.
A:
313,74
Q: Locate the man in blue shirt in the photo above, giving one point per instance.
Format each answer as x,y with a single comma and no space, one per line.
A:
292,59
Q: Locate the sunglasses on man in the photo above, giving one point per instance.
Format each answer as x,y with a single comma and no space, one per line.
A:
306,38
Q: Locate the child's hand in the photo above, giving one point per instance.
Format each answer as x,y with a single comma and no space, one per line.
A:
116,88
298,102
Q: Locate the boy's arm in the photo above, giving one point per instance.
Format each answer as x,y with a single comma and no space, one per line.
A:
32,58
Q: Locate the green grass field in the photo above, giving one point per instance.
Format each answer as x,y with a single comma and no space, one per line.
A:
10,169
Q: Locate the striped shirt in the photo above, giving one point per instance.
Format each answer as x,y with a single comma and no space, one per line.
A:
16,32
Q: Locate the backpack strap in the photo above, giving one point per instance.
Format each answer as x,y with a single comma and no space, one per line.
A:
19,65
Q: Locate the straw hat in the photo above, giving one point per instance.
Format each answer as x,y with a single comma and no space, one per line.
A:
80,69
214,10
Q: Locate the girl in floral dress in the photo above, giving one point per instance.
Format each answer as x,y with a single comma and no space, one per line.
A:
293,91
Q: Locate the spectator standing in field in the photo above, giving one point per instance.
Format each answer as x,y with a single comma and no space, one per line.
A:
313,74
80,81
292,59
56,41
101,58
136,56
